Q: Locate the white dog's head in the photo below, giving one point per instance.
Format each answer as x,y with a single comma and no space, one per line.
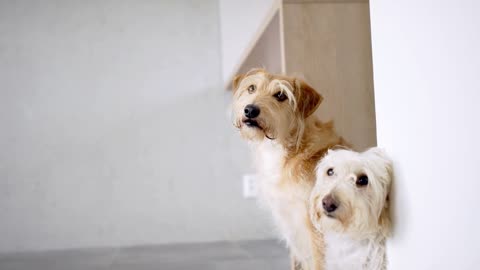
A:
351,193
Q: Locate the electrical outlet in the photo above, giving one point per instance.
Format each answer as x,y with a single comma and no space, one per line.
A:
249,186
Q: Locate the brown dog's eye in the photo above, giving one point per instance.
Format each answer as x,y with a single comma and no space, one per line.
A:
251,88
330,172
362,180
280,96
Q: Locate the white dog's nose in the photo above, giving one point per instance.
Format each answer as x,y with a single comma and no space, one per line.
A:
329,203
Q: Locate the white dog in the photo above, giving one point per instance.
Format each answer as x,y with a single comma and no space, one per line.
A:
349,205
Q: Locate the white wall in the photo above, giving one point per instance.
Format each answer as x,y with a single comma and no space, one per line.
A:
240,25
114,128
427,84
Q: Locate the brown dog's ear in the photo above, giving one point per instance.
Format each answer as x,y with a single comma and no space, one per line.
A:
308,99
236,81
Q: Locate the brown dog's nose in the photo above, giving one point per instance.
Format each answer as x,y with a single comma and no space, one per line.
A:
329,203
251,111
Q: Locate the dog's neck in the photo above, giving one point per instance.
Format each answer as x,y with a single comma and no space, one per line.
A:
314,137
269,158
346,252
293,155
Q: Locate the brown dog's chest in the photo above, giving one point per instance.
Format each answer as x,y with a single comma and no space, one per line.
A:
286,196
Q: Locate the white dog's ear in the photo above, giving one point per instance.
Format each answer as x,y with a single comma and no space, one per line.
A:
382,166
308,99
380,157
313,211
379,153
384,222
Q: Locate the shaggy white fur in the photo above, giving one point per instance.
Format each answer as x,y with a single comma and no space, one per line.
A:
288,209
349,205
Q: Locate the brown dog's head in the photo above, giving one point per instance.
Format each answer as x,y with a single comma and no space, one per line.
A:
272,106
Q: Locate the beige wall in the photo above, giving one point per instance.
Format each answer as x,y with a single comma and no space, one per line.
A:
329,45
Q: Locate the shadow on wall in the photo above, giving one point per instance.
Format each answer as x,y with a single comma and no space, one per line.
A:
398,200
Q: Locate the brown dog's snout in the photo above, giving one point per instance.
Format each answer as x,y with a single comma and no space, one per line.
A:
251,111
329,203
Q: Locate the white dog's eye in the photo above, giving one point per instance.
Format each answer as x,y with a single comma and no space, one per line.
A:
251,88
362,180
330,172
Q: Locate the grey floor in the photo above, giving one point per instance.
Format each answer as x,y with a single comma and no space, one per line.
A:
251,255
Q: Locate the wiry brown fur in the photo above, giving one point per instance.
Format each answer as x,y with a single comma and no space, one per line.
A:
299,141
299,172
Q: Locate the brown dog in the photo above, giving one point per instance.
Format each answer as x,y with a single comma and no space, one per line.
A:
274,113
